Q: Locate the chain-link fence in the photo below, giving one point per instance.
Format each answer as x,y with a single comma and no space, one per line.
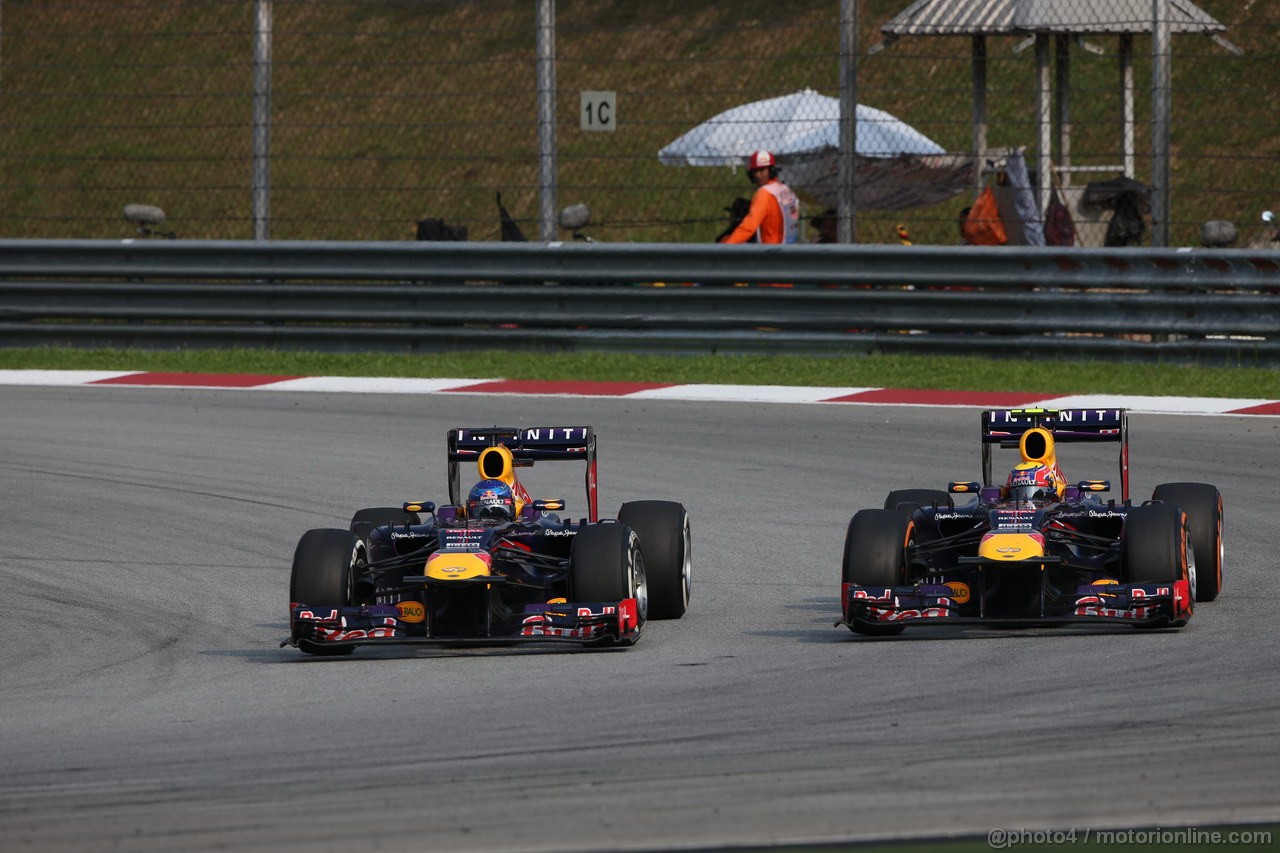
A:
382,113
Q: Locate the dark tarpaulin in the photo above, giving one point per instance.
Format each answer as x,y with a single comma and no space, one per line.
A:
1129,201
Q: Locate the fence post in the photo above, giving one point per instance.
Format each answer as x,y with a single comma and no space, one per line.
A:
261,119
547,118
1161,70
846,208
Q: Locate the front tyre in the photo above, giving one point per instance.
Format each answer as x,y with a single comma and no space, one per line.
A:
1155,546
606,565
1203,505
667,546
327,568
875,555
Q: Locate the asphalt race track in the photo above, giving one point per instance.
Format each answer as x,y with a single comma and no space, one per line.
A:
145,703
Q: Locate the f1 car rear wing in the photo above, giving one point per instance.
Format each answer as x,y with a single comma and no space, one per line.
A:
527,446
1006,426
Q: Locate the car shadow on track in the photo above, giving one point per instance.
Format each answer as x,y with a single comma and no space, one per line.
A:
276,653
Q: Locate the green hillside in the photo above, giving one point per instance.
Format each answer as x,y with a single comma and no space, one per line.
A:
385,112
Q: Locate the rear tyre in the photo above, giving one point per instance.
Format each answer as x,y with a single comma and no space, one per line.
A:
665,542
1154,545
326,567
365,520
907,500
1203,505
875,555
605,564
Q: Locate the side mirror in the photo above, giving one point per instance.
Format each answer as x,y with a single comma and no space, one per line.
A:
551,504
1094,485
420,506
963,487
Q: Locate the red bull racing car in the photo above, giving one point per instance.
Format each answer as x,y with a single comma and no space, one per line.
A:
1037,549
494,565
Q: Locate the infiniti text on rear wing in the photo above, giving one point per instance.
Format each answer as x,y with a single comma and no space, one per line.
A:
1004,427
527,446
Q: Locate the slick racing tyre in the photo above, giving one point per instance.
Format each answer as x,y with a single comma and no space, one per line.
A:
1203,505
327,565
663,528
365,520
606,564
875,549
907,500
1155,545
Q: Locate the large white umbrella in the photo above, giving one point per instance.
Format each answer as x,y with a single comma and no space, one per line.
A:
897,166
800,123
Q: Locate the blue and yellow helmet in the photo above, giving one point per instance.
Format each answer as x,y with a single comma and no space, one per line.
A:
491,500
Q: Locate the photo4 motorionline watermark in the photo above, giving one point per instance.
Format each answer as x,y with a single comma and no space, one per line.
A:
1003,839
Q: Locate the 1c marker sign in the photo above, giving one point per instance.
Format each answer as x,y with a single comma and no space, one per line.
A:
599,111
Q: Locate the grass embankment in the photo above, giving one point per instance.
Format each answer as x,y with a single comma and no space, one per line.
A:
956,373
384,113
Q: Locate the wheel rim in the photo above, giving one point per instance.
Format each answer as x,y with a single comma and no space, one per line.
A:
353,572
639,585
686,571
1189,554
1221,549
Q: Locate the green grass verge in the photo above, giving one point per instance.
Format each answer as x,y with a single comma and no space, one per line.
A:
896,371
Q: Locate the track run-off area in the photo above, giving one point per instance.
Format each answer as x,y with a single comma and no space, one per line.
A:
146,704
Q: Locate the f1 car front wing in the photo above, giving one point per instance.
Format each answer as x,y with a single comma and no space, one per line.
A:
1145,605
605,623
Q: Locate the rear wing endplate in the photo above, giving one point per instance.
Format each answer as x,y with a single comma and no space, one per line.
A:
527,445
1006,426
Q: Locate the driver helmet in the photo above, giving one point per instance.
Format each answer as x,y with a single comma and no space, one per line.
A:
491,500
1032,481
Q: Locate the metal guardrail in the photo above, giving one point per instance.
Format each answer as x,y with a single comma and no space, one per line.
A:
1211,306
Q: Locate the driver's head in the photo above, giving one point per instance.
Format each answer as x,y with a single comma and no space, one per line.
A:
1031,481
491,500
